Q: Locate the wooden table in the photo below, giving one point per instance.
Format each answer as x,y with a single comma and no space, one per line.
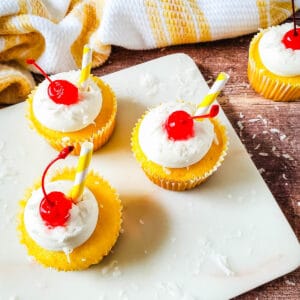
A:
269,130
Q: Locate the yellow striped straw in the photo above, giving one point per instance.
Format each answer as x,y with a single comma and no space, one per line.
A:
213,93
81,171
86,66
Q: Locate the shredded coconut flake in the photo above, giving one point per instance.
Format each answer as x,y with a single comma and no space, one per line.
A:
263,154
222,263
256,147
262,119
67,252
65,139
287,156
254,120
116,272
111,266
240,125
274,130
288,282
282,137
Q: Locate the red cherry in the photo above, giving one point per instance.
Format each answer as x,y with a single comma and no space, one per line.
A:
55,209
179,126
63,92
60,91
55,206
291,39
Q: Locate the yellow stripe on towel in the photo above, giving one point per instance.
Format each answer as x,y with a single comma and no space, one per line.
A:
262,11
202,23
279,10
179,22
156,24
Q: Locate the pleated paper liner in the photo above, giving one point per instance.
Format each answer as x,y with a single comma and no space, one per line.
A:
98,133
266,83
101,241
179,179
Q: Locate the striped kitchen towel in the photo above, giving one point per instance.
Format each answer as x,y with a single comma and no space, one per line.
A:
54,32
144,24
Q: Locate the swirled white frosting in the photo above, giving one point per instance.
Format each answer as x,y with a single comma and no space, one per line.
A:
275,56
67,118
156,145
79,227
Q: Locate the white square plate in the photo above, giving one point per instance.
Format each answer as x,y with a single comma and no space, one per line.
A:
214,242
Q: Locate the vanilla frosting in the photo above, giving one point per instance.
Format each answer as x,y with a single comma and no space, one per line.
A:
67,118
158,148
79,227
275,56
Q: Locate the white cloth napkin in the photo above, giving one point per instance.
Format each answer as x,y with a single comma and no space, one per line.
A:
54,32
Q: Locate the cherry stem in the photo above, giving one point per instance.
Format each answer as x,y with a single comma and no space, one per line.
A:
294,18
214,110
62,155
31,61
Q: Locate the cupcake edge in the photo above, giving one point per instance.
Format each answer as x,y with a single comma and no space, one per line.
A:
99,137
173,184
262,80
103,238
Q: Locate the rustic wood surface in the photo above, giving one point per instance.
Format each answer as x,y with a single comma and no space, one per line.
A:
269,130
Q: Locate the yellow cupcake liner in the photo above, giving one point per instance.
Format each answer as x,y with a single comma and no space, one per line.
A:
266,83
101,241
97,133
180,179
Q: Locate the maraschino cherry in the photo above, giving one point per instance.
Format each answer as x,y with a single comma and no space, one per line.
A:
180,124
55,206
60,91
291,39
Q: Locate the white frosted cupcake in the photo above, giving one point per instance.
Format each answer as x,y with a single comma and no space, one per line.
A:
274,63
79,238
178,159
90,118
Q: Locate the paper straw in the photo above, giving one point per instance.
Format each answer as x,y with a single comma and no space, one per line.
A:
213,93
81,171
85,66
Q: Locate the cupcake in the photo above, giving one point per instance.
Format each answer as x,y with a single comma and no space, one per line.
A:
67,235
274,63
175,150
65,115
